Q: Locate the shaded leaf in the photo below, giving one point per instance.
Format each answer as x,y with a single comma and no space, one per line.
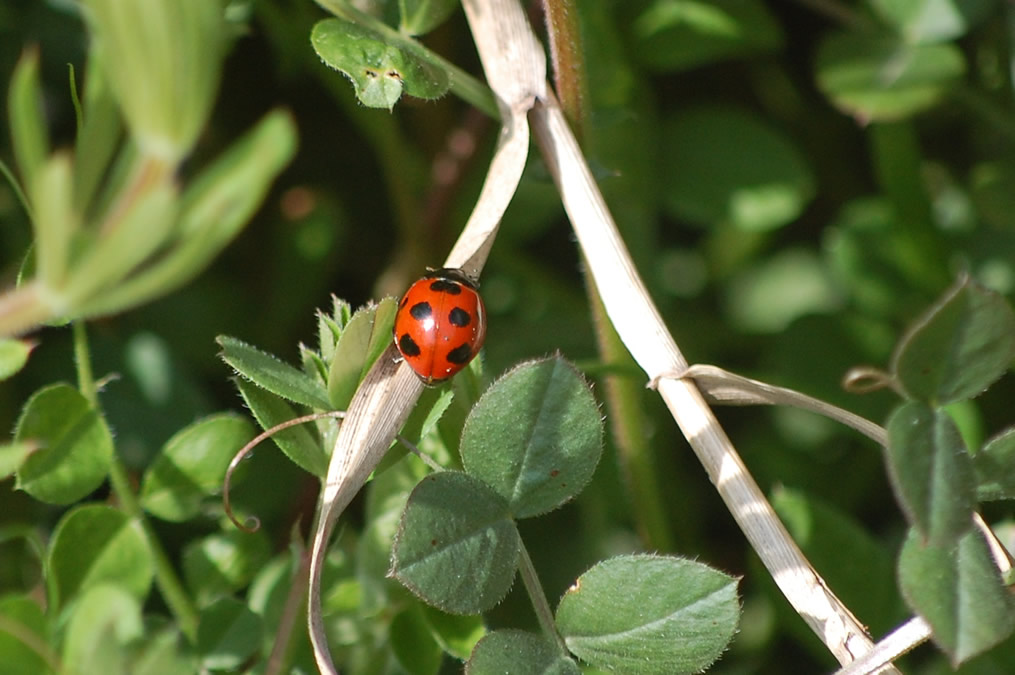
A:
682,35
535,436
228,634
103,622
723,166
959,347
25,621
995,467
931,472
519,653
880,77
412,644
649,614
456,547
74,445
96,544
297,442
380,70
223,563
457,635
958,590
419,17
192,466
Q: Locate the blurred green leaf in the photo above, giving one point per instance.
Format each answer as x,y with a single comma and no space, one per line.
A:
192,466
683,34
993,190
270,373
457,635
214,208
959,347
457,547
98,136
380,70
27,118
722,165
780,289
13,356
535,436
419,17
229,633
163,59
74,445
649,614
12,456
933,20
959,592
880,77
931,472
56,223
412,644
17,653
103,622
296,442
519,653
96,544
995,467
223,563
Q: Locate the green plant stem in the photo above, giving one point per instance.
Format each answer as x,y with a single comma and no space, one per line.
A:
538,597
567,55
165,575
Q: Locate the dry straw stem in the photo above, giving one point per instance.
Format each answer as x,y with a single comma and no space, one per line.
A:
384,399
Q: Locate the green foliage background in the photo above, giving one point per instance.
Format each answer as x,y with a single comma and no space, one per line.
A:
787,226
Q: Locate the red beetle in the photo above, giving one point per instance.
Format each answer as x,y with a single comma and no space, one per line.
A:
440,325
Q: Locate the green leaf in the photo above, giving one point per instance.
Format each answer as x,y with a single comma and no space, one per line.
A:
13,356
98,136
363,339
933,20
223,563
29,137
228,634
683,35
456,547
535,436
649,614
270,373
931,472
995,467
419,17
958,590
75,446
213,209
380,70
103,622
96,544
724,166
958,348
192,466
412,644
164,653
519,653
297,442
457,635
880,77
25,623
163,61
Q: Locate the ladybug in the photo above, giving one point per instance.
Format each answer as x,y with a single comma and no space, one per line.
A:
440,324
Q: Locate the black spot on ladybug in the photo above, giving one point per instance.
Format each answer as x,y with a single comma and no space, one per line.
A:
420,311
445,286
460,355
408,346
459,317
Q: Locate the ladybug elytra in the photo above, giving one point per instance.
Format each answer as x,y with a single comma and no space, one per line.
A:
440,324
